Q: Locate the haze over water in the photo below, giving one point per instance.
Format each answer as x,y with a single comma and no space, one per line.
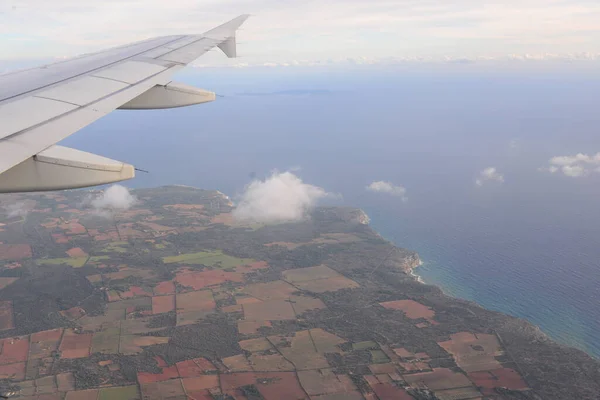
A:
527,247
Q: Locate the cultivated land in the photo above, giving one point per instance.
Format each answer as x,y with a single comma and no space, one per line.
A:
173,300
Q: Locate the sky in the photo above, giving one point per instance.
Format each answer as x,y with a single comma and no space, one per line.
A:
308,32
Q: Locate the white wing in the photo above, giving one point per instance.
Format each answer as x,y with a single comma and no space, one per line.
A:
41,106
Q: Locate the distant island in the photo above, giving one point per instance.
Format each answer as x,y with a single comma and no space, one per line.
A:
174,299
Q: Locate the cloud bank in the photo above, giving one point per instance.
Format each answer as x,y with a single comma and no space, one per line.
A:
489,175
19,209
115,198
281,197
388,188
573,166
282,31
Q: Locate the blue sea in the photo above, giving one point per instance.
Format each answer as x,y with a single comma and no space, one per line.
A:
529,247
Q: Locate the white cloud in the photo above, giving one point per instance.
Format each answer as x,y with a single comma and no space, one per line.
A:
279,198
389,188
489,174
19,209
115,198
574,166
282,31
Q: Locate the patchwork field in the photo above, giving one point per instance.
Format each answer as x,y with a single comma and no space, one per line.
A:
174,299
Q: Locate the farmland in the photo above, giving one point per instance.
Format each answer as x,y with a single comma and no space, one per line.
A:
173,299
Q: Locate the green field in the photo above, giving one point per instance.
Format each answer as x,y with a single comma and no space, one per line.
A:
75,262
119,393
210,258
116,247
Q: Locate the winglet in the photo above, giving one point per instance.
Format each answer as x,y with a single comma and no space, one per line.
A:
226,34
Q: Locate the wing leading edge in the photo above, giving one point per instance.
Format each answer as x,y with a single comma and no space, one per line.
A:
42,106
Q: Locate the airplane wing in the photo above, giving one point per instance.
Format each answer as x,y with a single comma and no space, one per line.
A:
41,106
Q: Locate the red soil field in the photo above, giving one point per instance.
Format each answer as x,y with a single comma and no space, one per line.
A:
15,251
163,304
75,345
387,391
14,350
200,280
167,373
166,287
14,371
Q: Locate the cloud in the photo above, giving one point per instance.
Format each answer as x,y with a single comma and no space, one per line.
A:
489,174
20,209
389,188
279,198
282,31
574,166
115,198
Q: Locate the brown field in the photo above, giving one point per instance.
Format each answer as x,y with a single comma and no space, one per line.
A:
163,304
318,279
387,368
299,350
438,379
237,363
14,350
355,395
241,300
6,315
251,327
269,363
232,309
133,344
73,228
60,238
15,251
276,290
15,371
324,381
255,345
326,342
474,352
166,374
198,383
165,287
302,304
76,252
271,310
195,301
107,340
388,391
502,377
271,385
203,279
42,344
225,219
169,389
75,345
195,367
411,309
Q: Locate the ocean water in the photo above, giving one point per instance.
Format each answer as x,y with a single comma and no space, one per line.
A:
528,247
